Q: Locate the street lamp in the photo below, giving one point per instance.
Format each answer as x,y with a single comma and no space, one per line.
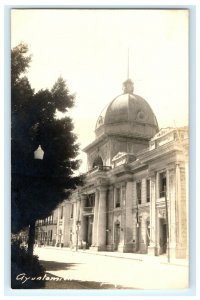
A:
78,223
38,155
137,227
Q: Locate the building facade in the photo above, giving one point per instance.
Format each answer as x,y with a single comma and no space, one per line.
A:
135,197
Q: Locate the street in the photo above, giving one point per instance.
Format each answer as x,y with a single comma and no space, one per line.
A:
111,272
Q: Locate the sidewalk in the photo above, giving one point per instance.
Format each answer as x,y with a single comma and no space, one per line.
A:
162,259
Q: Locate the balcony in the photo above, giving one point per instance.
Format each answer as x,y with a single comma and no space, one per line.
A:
89,210
46,222
99,168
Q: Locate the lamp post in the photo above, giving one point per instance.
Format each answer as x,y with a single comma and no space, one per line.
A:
78,223
38,155
137,227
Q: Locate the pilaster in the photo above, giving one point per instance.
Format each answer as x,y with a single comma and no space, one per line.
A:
128,230
181,249
110,226
172,210
151,247
101,222
57,228
83,229
94,230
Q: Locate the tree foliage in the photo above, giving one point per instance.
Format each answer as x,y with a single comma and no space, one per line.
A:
24,263
39,186
20,61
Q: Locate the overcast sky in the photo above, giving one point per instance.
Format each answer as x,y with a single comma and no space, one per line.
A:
89,49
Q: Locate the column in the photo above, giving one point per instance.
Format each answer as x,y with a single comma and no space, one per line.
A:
101,225
128,226
76,238
157,216
110,227
151,247
134,222
78,207
182,221
123,217
172,212
83,229
187,207
94,230
57,227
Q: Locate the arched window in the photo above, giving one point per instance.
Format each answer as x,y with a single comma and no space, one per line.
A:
98,162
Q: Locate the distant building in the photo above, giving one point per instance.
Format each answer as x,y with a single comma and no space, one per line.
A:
135,194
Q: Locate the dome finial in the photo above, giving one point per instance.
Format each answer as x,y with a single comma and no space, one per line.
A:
128,66
128,86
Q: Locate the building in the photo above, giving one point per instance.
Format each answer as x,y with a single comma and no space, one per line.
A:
135,197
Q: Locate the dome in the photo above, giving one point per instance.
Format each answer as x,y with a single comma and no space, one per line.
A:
128,114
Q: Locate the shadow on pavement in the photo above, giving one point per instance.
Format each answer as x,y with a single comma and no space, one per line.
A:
55,282
56,266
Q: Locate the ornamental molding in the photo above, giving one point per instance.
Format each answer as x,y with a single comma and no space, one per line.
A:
162,213
101,182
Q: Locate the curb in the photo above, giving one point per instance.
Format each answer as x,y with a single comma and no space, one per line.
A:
141,259
114,256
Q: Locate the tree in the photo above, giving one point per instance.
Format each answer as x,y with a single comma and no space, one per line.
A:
39,186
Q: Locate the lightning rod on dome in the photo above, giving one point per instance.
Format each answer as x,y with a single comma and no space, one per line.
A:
128,66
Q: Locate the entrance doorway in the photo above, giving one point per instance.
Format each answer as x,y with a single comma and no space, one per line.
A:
116,235
163,236
89,222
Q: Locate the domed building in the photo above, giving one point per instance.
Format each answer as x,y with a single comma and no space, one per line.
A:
126,124
135,195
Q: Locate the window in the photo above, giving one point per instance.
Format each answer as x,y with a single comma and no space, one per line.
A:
51,219
148,190
61,212
50,233
72,210
118,196
139,192
162,184
70,237
90,200
98,162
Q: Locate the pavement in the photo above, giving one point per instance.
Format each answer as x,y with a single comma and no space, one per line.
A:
163,259
122,270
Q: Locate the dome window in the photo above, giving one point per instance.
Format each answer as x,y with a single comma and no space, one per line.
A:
98,162
100,121
141,115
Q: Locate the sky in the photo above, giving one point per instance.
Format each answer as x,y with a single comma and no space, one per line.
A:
89,49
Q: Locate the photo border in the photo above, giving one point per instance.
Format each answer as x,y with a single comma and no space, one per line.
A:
192,126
